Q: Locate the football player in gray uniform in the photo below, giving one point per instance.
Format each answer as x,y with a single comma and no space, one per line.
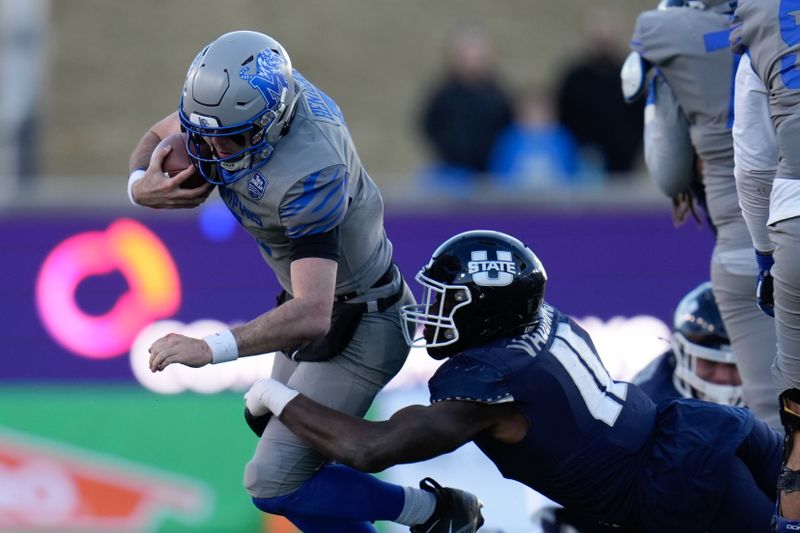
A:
689,111
768,85
279,151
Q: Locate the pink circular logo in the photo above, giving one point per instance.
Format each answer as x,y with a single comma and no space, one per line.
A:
147,266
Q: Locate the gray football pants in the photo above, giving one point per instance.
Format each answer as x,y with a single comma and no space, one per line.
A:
347,383
786,271
752,335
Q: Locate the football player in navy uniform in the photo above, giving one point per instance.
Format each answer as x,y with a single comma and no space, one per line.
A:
701,363
525,383
766,133
682,49
282,158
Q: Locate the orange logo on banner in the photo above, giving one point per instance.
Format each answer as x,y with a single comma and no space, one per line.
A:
45,488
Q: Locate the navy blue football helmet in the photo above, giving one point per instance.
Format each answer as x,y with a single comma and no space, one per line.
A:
699,333
478,286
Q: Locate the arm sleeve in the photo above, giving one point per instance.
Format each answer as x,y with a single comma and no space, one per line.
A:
755,152
668,150
325,245
315,204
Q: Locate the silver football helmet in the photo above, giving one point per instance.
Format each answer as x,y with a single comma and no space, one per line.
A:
241,87
720,6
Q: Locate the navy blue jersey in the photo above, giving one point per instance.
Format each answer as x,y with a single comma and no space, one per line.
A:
656,379
592,443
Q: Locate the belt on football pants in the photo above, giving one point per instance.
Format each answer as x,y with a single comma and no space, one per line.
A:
378,305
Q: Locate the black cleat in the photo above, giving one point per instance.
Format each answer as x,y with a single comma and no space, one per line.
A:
457,511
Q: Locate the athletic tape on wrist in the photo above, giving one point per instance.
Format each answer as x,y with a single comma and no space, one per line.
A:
135,176
277,396
223,346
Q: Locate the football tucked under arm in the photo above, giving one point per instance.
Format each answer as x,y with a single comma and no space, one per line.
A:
178,160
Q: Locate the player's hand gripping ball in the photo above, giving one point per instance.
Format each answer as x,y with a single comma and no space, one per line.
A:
178,160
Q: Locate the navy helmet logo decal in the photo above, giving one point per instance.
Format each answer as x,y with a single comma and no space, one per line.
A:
492,273
269,79
256,186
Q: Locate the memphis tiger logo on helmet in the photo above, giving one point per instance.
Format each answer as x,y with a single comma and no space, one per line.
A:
241,87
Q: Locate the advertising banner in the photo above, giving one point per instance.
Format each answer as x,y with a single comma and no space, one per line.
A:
91,440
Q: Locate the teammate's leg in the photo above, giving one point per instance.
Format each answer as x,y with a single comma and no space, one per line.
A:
751,332
785,234
786,274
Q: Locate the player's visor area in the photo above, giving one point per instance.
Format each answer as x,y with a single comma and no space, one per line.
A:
247,137
723,354
431,323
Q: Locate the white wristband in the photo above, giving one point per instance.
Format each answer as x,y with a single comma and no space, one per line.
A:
223,346
135,176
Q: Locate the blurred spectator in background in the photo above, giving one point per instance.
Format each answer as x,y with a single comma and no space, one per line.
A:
590,102
23,32
535,151
466,110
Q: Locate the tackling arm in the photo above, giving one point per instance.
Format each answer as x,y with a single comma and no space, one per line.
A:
413,434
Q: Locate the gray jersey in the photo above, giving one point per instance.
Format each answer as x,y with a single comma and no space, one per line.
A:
312,183
770,33
689,48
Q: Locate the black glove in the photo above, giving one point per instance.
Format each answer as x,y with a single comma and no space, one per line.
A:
257,423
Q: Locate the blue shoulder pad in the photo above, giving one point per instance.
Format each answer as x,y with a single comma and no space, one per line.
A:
463,378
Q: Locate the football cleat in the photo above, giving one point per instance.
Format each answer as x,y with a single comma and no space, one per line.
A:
456,511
